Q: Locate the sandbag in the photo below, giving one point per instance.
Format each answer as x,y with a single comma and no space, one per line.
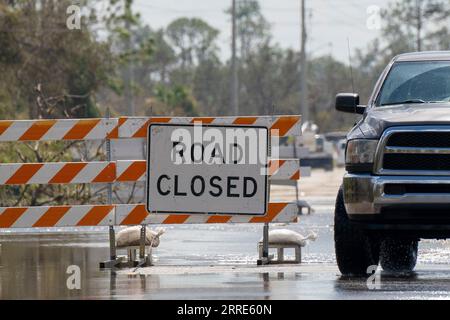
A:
285,236
131,236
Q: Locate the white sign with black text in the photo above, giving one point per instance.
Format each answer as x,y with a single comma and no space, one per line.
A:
197,168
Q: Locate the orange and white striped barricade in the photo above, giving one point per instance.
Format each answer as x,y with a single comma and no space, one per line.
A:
57,216
128,165
60,129
281,126
108,172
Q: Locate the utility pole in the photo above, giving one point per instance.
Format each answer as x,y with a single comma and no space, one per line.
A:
128,76
419,24
304,108
234,74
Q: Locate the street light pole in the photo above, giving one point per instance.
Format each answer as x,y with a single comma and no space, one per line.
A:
234,75
419,24
304,110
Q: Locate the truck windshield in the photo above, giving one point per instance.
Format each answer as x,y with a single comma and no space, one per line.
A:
416,82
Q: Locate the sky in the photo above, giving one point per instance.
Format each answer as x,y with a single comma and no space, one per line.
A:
330,22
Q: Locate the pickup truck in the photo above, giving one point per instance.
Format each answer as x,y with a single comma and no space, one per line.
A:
396,189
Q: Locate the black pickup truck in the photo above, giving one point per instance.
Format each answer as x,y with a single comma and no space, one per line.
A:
397,187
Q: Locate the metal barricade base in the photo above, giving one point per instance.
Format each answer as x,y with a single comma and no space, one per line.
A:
280,254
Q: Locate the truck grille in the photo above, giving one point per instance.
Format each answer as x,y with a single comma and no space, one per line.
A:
421,150
420,139
416,162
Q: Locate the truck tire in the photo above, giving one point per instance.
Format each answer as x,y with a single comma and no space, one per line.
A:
398,255
355,250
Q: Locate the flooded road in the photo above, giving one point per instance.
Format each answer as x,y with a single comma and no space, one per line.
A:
207,262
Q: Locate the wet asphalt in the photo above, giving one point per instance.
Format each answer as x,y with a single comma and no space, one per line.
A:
34,266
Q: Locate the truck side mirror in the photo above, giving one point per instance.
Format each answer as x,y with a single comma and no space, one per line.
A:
349,102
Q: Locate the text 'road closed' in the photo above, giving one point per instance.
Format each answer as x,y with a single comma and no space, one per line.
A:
216,186
211,169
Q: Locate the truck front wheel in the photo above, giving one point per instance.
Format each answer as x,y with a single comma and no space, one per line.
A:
355,250
398,255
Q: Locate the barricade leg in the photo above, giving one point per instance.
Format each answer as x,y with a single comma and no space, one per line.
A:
265,246
113,261
142,243
112,243
298,254
280,254
297,192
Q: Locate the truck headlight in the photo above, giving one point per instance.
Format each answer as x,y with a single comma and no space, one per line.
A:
360,155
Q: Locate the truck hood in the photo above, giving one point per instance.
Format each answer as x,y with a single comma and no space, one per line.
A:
377,119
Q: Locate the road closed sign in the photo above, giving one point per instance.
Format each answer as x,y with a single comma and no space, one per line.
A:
197,168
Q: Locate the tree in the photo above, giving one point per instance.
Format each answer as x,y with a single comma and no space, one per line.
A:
49,71
193,40
176,101
163,57
268,79
407,26
415,24
210,87
130,47
326,78
44,58
197,66
253,30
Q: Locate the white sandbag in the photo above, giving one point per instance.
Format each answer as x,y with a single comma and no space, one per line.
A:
284,236
131,236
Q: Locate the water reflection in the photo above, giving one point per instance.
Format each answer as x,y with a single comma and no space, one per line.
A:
34,266
421,283
32,270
